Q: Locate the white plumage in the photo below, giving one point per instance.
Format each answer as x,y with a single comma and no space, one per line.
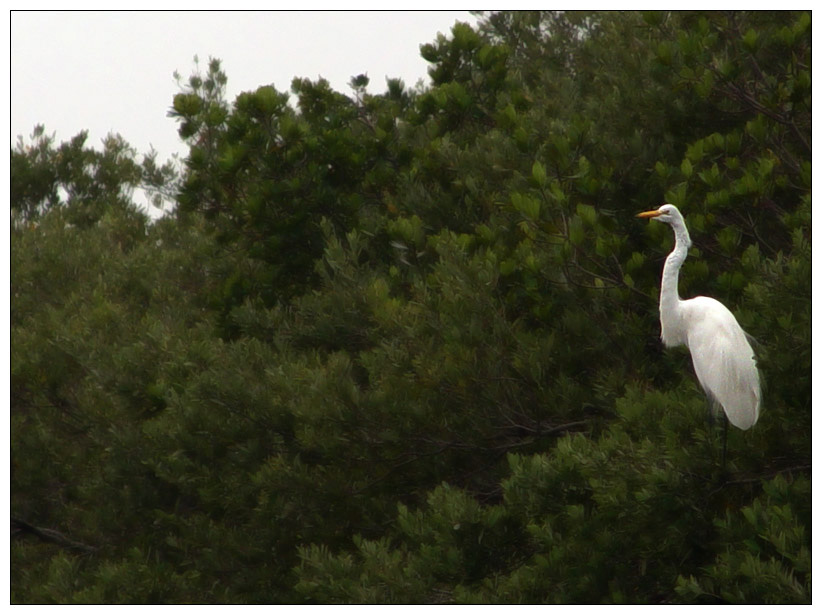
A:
723,359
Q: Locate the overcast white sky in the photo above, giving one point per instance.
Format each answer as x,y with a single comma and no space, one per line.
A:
112,71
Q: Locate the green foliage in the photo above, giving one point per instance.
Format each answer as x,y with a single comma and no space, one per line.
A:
403,348
767,558
265,174
82,181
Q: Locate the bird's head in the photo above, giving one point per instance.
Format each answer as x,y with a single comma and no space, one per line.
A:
666,213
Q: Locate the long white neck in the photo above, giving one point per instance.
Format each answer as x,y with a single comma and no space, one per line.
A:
669,308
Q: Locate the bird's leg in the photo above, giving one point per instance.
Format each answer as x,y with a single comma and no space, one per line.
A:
710,408
710,419
713,408
724,438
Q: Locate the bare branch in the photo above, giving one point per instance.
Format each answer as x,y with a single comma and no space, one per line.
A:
18,526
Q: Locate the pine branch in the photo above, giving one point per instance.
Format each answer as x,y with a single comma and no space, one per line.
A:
18,526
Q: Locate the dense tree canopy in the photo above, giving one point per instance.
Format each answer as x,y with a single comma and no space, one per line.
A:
404,347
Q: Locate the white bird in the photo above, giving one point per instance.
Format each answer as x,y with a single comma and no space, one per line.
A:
722,356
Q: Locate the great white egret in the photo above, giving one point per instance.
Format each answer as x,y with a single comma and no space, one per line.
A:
723,359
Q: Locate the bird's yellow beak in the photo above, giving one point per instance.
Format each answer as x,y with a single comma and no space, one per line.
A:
649,214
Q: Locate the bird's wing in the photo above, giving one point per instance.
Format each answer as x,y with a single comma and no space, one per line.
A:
723,359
